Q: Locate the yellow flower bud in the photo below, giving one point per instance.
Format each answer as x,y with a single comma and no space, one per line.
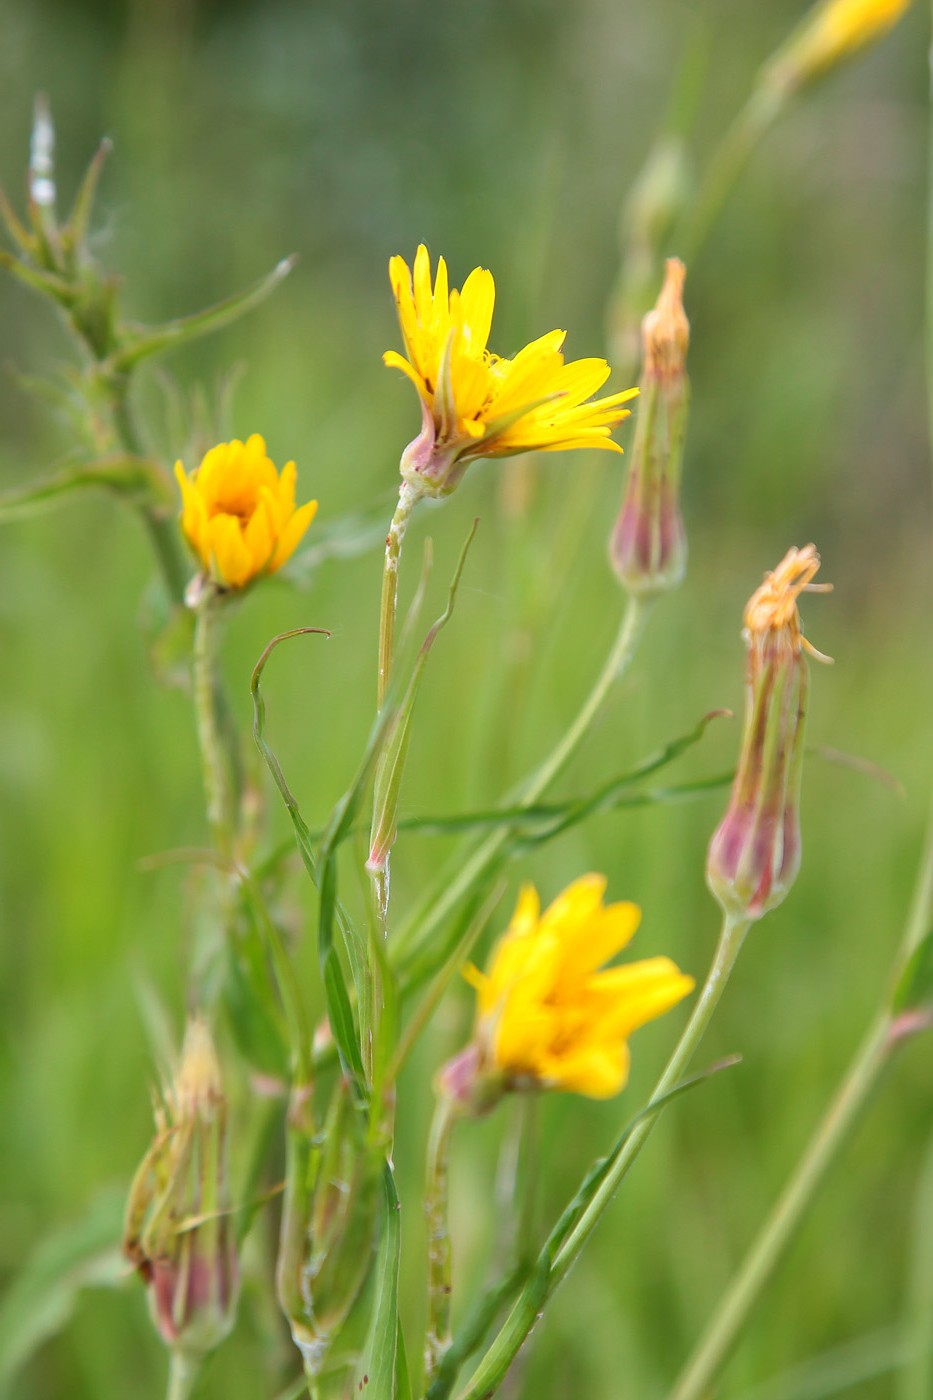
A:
238,512
547,1016
830,33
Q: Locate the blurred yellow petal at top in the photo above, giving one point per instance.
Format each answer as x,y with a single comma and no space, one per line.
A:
478,404
831,32
239,514
549,1015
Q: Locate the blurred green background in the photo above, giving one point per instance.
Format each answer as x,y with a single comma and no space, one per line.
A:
504,135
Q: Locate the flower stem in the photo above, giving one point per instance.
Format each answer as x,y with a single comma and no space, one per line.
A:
731,938
437,1335
183,1373
472,868
764,1255
161,526
729,160
407,499
766,1251
217,786
518,1324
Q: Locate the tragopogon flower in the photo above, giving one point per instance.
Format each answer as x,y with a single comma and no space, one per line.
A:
238,512
476,404
547,1016
831,32
754,855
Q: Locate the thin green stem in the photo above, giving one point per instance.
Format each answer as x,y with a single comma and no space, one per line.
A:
491,1370
762,1259
524,1203
729,160
437,1334
161,526
731,938
778,1230
915,1380
408,497
472,869
216,774
183,1372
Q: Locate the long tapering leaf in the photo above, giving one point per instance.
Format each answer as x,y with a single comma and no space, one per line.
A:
339,1007
144,342
125,475
378,1374
392,761
47,284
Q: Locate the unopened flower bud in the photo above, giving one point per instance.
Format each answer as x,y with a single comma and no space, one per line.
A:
178,1232
329,1225
754,855
648,547
833,31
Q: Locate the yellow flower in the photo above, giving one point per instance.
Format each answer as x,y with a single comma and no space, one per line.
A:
476,404
832,31
545,1012
238,512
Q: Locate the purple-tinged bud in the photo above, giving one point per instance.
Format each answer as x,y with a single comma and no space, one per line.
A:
178,1231
754,855
648,547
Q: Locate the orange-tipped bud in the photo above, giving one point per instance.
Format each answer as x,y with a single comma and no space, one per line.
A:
754,855
648,547
178,1232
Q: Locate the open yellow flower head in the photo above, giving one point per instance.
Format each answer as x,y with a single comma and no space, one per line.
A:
475,403
238,512
830,33
547,1015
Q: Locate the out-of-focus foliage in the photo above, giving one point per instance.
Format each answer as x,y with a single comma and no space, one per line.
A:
502,135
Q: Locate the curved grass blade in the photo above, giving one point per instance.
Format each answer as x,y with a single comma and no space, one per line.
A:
378,1373
144,342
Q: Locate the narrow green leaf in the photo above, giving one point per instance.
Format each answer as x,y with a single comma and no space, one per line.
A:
340,1014
47,284
123,475
470,1336
14,225
339,1008
75,229
377,1373
391,766
144,342
914,990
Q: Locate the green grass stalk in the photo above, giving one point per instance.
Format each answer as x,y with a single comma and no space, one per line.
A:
494,1365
